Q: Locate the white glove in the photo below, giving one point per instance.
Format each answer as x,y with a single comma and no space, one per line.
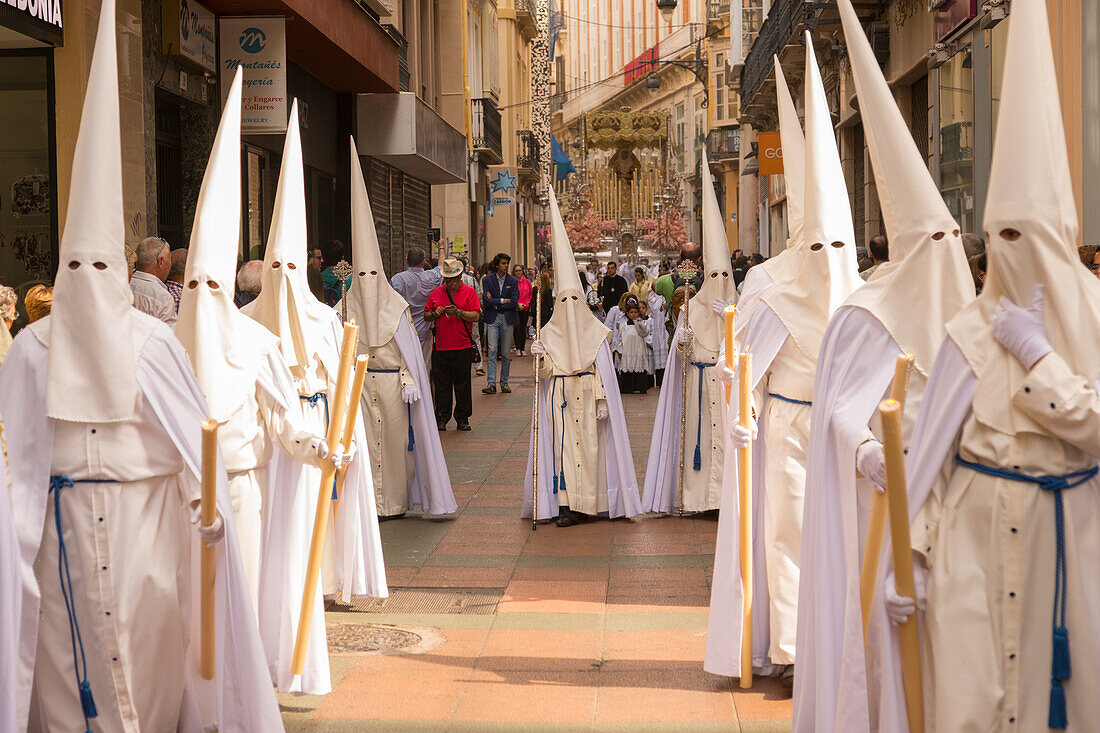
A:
342,458
741,437
719,306
1022,331
601,410
726,375
410,394
871,462
537,347
900,607
209,534
322,449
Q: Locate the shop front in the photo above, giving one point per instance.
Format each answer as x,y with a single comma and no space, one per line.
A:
28,191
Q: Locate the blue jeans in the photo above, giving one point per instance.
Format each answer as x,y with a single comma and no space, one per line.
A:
499,335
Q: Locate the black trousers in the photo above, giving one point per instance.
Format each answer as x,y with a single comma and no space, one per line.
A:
521,331
451,376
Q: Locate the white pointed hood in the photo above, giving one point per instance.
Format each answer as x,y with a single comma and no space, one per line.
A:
1030,192
784,266
90,372
927,263
225,347
573,335
372,301
285,304
828,274
706,325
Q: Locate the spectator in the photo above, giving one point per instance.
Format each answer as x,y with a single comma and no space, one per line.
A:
1087,253
641,287
314,276
500,296
632,349
973,244
8,312
1094,265
880,252
154,262
452,307
131,261
38,302
174,282
740,266
544,290
592,273
469,277
334,254
612,287
415,285
757,259
248,282
523,310
977,271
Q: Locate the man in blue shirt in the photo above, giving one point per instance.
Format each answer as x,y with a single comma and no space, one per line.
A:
415,284
500,296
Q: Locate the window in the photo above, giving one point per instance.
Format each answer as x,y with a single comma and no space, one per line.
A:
956,125
720,96
680,111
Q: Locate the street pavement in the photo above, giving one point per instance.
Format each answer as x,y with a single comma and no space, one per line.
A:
597,627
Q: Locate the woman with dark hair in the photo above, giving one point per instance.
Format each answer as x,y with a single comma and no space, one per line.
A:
523,308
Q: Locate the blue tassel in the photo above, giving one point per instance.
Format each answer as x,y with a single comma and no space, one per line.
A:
556,478
697,463
1057,718
86,701
334,497
1059,666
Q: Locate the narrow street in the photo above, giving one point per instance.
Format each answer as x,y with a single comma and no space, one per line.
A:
491,626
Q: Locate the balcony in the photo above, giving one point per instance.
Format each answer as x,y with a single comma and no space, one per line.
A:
718,12
527,18
527,151
486,130
724,143
409,135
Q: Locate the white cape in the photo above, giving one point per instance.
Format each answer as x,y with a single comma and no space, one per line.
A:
239,698
622,483
765,334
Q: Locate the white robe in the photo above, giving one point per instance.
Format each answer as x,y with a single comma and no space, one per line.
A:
10,594
990,547
840,683
658,332
142,657
353,562
613,471
705,412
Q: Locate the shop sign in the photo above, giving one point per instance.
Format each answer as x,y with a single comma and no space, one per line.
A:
188,33
503,188
39,19
770,151
258,45
952,16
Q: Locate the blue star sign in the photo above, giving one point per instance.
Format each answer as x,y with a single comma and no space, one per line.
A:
504,183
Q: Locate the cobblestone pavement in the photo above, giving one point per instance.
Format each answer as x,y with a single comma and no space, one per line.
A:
596,627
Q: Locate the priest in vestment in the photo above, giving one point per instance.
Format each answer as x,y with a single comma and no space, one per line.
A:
105,489
406,456
585,464
784,337
310,334
842,683
1002,473
701,339
248,387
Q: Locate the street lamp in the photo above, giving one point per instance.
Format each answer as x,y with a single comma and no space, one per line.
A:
667,7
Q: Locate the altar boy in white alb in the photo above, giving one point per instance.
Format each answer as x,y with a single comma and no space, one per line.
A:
1002,469
784,337
843,684
309,334
248,388
105,464
701,339
406,457
585,464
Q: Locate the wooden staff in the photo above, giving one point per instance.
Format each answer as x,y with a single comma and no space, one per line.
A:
208,568
324,497
535,420
731,357
876,528
898,503
349,425
744,479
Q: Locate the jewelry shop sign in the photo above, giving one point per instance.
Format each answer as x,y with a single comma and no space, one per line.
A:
258,45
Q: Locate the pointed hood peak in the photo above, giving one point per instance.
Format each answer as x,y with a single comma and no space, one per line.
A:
793,144
718,283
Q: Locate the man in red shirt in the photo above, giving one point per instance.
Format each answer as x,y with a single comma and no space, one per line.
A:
451,308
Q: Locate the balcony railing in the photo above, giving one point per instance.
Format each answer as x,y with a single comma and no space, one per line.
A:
527,151
486,129
724,143
526,18
717,10
783,19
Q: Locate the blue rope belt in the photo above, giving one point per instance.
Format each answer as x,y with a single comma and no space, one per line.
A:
790,400
558,455
1059,665
697,462
80,662
412,438
313,400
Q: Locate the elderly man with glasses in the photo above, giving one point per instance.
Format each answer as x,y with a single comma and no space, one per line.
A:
154,263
